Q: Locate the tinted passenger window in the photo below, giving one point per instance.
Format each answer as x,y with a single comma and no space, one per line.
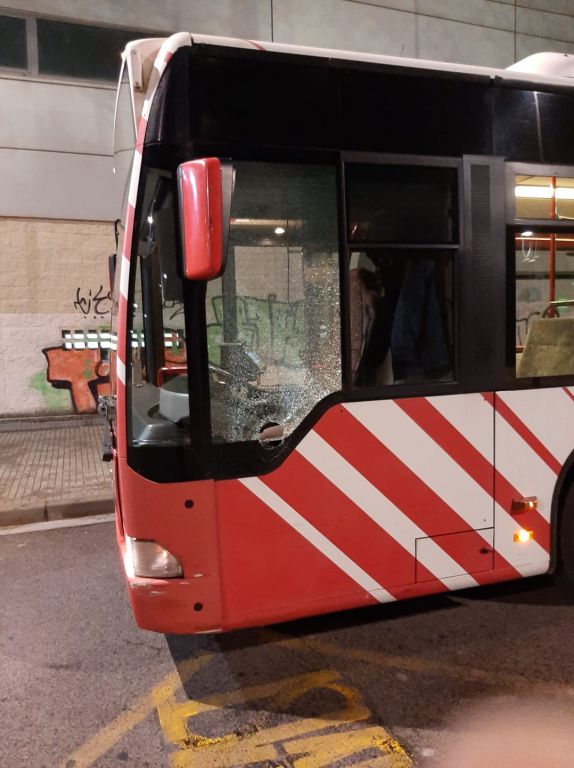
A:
531,126
402,276
416,114
263,101
402,204
402,314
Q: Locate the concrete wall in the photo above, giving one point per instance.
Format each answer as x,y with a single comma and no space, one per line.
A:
54,283
58,195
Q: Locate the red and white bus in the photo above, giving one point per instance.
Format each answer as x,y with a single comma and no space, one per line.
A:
345,340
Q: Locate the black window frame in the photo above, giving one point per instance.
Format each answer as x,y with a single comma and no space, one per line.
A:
425,388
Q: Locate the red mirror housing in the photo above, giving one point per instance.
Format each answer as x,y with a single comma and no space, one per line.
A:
202,221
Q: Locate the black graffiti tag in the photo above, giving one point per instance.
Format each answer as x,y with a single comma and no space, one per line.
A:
175,305
98,303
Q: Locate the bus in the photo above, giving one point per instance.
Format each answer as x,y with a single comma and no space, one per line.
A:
344,368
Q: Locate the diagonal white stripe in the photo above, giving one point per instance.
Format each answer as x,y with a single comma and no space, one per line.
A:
380,509
523,467
121,371
472,416
135,178
124,277
448,479
316,538
147,103
548,414
411,444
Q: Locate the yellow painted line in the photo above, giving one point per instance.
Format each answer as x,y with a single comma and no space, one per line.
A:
299,738
320,751
174,715
391,760
413,663
312,742
107,737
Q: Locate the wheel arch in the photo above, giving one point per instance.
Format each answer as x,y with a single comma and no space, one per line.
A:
563,485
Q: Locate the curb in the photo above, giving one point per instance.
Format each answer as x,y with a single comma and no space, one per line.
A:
101,505
33,423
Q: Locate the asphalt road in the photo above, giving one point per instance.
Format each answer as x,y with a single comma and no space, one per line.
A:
478,673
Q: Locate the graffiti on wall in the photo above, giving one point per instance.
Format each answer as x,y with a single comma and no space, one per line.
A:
96,303
80,364
266,326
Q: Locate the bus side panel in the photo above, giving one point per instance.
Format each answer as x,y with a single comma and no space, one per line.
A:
162,513
272,572
348,518
534,435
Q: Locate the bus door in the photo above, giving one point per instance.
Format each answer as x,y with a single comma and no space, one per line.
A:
535,423
428,450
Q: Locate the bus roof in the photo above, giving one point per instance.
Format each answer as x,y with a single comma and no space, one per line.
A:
544,68
548,68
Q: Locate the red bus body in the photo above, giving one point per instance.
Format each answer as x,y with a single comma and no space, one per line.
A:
380,498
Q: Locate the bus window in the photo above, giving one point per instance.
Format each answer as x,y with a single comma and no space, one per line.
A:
273,323
402,204
403,234
402,314
158,354
544,197
544,274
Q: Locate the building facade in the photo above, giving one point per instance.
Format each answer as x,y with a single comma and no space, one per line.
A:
58,194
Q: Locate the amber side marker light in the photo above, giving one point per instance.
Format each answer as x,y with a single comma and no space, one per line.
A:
523,537
526,504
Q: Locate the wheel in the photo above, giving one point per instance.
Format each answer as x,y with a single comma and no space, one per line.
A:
565,570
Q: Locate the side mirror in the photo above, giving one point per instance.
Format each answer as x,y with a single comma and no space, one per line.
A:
204,204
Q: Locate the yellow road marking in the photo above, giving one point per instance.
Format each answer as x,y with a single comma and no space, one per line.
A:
105,739
162,698
413,664
305,751
386,761
324,750
300,739
173,715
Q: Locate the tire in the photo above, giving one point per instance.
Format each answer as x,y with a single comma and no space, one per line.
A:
565,570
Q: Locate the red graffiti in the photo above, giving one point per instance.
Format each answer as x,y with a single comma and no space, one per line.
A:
82,371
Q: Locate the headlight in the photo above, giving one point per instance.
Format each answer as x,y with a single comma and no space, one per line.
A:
150,560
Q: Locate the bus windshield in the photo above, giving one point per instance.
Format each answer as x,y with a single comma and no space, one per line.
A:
272,321
273,317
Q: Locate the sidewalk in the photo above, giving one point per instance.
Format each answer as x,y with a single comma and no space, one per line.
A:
51,468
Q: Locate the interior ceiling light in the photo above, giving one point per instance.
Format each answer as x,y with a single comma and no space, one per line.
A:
544,193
